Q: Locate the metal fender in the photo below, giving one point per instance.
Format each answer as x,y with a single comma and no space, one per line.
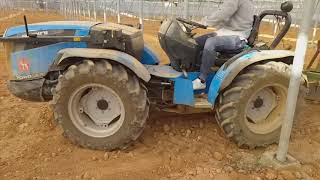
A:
113,55
149,57
227,73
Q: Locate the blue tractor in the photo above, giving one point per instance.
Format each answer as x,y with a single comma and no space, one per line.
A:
101,79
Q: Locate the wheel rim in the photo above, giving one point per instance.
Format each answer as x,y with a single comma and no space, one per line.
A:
96,110
265,109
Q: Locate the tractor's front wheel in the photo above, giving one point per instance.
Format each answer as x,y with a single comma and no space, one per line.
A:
100,105
250,111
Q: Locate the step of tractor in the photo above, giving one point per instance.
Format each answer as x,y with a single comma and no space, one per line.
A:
202,103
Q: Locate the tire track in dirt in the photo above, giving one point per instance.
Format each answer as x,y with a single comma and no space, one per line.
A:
33,148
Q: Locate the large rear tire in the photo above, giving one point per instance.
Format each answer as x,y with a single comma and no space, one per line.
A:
250,111
100,105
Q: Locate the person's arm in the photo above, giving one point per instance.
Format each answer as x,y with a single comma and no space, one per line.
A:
228,8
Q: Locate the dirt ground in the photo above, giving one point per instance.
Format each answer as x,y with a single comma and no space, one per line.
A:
172,146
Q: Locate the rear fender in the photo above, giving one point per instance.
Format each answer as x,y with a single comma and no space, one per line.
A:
67,56
226,74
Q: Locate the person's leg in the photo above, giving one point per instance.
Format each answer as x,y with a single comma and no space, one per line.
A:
201,40
209,55
214,45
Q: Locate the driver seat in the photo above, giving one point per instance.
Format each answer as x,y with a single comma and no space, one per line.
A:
225,56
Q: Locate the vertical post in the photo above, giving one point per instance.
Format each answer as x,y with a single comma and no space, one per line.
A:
46,6
141,14
79,9
118,11
89,10
83,9
294,86
104,11
94,10
315,30
186,9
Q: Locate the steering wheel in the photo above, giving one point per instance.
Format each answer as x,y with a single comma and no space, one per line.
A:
192,23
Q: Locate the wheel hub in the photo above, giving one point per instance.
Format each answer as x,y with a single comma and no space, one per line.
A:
261,105
258,103
96,110
101,106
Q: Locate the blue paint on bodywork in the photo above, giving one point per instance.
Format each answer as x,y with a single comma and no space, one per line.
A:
81,30
222,73
39,59
149,57
183,90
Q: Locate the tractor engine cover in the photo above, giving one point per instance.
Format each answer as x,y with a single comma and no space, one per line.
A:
182,49
116,36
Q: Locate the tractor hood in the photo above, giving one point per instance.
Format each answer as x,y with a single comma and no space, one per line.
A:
78,28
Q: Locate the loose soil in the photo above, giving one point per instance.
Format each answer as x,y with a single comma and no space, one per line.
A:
172,146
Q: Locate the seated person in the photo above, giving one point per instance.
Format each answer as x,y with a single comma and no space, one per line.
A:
234,23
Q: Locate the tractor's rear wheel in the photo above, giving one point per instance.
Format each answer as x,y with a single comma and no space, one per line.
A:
250,111
100,105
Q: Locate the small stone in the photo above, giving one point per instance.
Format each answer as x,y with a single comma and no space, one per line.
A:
218,156
241,171
171,134
201,125
191,172
228,169
298,175
218,171
46,159
228,156
188,132
69,150
59,150
166,128
130,154
198,138
85,175
106,156
280,178
94,158
199,170
271,175
59,173
23,126
257,178
53,154
287,175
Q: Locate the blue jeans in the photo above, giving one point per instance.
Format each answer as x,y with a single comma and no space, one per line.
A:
212,45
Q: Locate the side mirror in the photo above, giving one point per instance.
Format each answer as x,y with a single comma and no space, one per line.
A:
287,6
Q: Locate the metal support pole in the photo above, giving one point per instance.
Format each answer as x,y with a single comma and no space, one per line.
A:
141,14
315,30
89,10
46,6
94,10
79,10
104,11
294,86
118,11
186,9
